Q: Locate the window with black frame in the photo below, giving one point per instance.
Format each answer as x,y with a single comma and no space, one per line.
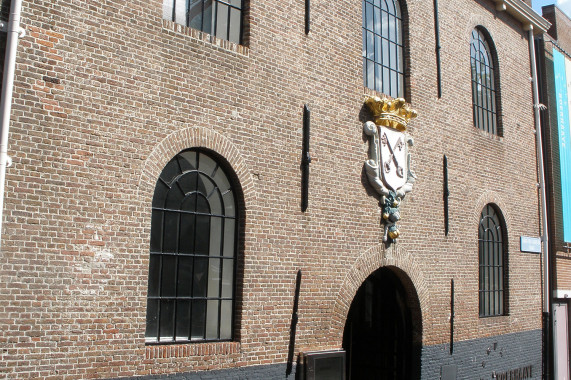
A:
192,252
484,89
492,262
383,49
222,19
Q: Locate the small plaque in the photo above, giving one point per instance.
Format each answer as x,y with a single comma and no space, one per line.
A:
530,244
325,365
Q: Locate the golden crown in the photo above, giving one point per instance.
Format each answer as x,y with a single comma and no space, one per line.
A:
393,113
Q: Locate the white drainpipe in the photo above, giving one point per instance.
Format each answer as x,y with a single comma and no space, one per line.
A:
539,150
14,32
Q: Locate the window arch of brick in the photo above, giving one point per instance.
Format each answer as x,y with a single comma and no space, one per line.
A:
492,259
193,251
486,99
221,18
384,46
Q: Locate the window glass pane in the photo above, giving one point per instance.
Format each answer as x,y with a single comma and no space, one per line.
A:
187,184
369,15
168,277
188,158
212,319
215,236
370,74
170,171
363,14
156,230
154,275
377,21
386,53
378,78
202,240
152,319
186,237
206,164
235,19
208,25
221,21
188,203
370,46
398,33
226,320
182,320
393,60
236,3
180,12
214,278
394,87
175,197
227,278
202,204
184,279
378,48
161,190
384,24
195,15
167,9
166,320
229,241
228,199
392,28
215,201
386,81
221,181
198,319
365,72
200,278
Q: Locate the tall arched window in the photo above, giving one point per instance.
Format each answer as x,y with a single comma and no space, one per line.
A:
383,56
193,252
222,19
484,83
493,262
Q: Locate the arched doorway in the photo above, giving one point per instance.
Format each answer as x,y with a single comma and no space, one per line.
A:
383,332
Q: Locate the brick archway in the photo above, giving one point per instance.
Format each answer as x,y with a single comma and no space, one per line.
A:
405,267
195,137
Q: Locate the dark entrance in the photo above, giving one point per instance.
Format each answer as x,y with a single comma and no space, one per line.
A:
383,331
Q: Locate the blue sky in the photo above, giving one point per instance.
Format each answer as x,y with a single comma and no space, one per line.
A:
564,5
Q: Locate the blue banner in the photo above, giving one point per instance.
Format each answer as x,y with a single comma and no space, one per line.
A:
561,92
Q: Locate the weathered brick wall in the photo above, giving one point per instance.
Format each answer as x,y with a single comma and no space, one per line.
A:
107,93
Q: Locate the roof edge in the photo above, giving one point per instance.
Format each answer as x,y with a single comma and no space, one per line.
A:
524,14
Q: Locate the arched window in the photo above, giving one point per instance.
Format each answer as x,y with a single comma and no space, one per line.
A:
493,262
222,19
484,83
383,56
193,252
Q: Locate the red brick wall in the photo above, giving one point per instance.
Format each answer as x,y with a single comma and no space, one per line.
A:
107,92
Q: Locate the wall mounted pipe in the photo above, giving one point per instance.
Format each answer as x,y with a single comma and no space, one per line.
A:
14,32
544,222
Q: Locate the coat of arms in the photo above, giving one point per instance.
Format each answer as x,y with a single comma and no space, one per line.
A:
389,167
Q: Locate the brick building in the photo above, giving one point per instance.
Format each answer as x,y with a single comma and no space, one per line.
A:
553,55
154,219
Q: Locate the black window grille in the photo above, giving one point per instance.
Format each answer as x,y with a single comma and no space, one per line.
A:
383,57
192,252
222,19
492,260
484,94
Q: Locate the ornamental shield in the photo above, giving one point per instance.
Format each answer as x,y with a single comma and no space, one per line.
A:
393,160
